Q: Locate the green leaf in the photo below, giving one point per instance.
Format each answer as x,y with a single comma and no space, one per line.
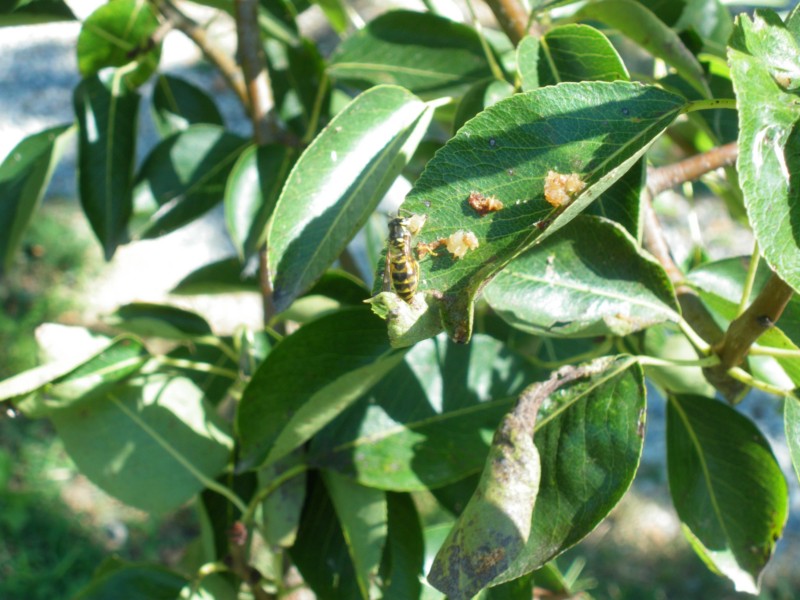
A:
528,63
495,524
68,379
24,176
253,187
308,379
297,74
107,113
589,437
207,364
160,320
577,53
130,581
566,287
177,104
21,12
320,552
116,34
765,68
727,487
425,53
640,25
184,176
363,517
281,510
336,12
791,423
276,19
429,422
152,446
222,277
337,183
401,570
595,131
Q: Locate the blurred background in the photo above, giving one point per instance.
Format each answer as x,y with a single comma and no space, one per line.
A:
56,527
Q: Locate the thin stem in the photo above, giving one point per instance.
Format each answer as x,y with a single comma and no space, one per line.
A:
217,343
710,104
313,120
487,51
757,350
698,342
249,513
224,63
750,280
652,361
198,366
747,379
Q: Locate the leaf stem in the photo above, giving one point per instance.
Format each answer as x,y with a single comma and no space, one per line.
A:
698,342
215,342
749,280
249,512
487,50
652,361
198,366
758,350
745,377
710,104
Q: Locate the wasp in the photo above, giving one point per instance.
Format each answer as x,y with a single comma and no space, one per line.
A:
402,270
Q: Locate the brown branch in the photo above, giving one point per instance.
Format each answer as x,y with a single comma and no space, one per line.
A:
254,67
760,316
226,65
259,91
511,17
664,178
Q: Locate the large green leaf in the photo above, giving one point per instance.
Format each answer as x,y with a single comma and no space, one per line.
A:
595,131
646,29
363,517
178,104
24,175
220,277
107,113
401,569
30,12
577,53
116,34
308,379
184,176
320,552
765,68
251,193
281,509
130,581
429,422
566,287
425,53
495,524
153,445
791,422
589,436
336,184
66,381
160,320
727,487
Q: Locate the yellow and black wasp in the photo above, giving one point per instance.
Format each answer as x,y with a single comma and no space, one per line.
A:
402,270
